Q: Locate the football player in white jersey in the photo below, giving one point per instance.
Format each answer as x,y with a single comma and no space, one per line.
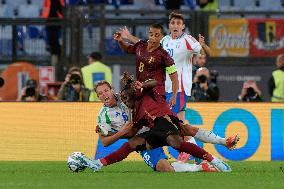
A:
181,47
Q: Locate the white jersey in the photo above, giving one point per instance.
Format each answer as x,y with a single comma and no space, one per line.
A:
181,50
112,119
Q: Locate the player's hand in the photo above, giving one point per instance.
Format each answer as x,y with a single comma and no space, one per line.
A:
138,85
172,101
201,40
98,130
124,32
117,36
127,127
67,78
204,86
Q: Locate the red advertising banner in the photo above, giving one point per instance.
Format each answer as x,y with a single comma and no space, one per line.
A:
266,37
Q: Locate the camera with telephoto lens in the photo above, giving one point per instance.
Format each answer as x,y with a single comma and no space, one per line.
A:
2,82
75,79
202,79
30,91
31,86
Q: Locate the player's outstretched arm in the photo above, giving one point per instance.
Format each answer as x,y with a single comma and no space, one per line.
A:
123,44
127,35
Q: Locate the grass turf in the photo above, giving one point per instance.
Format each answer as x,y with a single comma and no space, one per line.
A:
136,175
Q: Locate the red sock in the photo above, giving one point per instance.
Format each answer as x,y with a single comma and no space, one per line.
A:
117,155
195,150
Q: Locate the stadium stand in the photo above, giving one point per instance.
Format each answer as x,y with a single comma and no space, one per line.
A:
28,11
6,11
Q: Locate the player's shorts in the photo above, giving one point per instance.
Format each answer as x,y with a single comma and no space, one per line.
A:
163,127
180,102
152,157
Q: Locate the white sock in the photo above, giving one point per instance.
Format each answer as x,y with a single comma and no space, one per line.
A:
209,137
100,163
185,167
192,140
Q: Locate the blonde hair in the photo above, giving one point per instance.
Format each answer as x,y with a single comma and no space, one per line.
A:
100,83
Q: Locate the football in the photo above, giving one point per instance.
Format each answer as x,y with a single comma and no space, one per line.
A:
74,163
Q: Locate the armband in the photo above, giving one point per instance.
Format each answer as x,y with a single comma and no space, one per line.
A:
171,69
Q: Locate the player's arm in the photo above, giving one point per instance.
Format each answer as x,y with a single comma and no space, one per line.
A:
172,72
126,47
127,35
205,48
127,131
174,79
110,138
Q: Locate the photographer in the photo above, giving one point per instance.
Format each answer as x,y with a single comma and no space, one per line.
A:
250,92
30,93
203,89
2,82
73,89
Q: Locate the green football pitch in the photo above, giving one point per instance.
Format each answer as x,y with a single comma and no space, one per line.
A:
136,175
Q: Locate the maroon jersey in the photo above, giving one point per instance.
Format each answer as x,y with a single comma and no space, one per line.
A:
151,65
148,105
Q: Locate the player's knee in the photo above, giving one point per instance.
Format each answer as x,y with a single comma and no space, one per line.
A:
137,143
192,130
174,141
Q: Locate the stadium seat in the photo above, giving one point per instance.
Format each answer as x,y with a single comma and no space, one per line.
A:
28,11
15,3
5,40
276,5
6,11
253,5
33,32
188,5
228,5
91,39
36,2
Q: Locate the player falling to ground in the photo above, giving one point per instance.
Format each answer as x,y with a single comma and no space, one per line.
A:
164,130
115,122
181,47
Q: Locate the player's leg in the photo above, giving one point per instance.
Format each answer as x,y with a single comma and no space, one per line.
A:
166,131
179,109
176,142
136,143
157,160
209,136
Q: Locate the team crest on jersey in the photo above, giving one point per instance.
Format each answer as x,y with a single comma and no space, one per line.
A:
178,45
151,60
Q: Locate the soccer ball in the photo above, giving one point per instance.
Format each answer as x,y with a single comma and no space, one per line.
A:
74,163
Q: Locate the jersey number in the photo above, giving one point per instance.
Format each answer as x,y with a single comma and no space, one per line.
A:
141,67
124,116
170,52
